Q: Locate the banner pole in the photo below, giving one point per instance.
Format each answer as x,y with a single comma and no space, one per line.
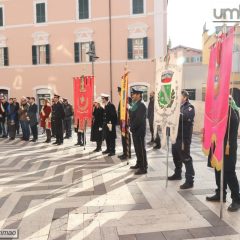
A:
84,138
167,165
221,188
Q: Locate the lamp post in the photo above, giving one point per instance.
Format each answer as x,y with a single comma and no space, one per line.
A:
92,55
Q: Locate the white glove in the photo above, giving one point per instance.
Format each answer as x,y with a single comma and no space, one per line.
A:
100,129
109,125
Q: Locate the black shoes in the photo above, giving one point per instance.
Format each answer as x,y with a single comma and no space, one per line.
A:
55,143
97,150
105,152
47,141
234,207
111,154
33,140
141,172
186,185
134,167
175,177
157,147
215,198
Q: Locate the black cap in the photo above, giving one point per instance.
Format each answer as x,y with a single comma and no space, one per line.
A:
119,89
185,93
136,91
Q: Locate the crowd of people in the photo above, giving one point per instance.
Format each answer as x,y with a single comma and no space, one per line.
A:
56,118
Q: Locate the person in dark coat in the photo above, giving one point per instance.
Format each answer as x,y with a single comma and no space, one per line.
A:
59,116
24,119
109,125
230,177
138,116
12,111
150,116
16,103
97,125
126,149
181,149
3,110
32,115
68,109
53,119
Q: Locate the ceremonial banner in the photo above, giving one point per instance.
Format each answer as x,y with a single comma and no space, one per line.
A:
167,99
83,100
123,104
217,93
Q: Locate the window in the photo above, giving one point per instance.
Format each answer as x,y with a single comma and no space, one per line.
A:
80,52
41,54
41,12
138,6
1,17
192,94
138,48
4,56
83,9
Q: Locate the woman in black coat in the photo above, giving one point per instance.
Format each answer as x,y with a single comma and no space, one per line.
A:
97,125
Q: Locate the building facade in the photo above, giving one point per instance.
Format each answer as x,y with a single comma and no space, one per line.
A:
48,44
194,73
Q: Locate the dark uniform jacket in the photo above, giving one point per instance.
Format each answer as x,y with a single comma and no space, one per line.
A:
32,114
185,128
150,112
138,114
59,113
68,109
11,113
97,124
3,110
110,116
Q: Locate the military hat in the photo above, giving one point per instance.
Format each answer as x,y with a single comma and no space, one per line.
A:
104,95
136,91
185,93
56,96
98,100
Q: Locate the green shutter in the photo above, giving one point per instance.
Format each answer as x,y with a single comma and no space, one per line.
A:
137,6
83,9
76,52
1,17
34,55
47,54
5,51
40,11
145,47
130,48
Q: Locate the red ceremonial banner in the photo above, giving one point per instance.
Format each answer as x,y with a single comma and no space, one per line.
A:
83,100
217,93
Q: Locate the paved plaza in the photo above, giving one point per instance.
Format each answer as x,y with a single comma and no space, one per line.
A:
65,192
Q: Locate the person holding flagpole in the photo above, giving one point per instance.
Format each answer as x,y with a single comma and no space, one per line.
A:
181,149
230,159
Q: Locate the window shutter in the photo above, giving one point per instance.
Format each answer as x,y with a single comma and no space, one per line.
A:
76,52
40,11
130,48
83,9
34,55
47,54
145,47
5,51
1,17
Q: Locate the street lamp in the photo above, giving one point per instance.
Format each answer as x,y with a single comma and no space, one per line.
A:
92,55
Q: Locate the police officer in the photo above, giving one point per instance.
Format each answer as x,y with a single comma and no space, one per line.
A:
126,148
138,115
68,110
230,177
109,125
181,149
59,116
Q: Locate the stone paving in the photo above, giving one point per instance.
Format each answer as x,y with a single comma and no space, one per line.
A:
66,192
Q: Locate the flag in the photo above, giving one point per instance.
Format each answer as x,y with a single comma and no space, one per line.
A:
83,100
216,102
123,104
167,99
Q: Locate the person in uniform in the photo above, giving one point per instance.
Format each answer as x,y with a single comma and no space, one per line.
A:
80,134
33,122
97,124
24,119
53,124
59,116
68,109
109,125
230,177
16,103
181,149
45,119
12,111
138,116
126,149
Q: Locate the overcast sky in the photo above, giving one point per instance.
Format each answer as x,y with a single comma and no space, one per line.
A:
187,17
